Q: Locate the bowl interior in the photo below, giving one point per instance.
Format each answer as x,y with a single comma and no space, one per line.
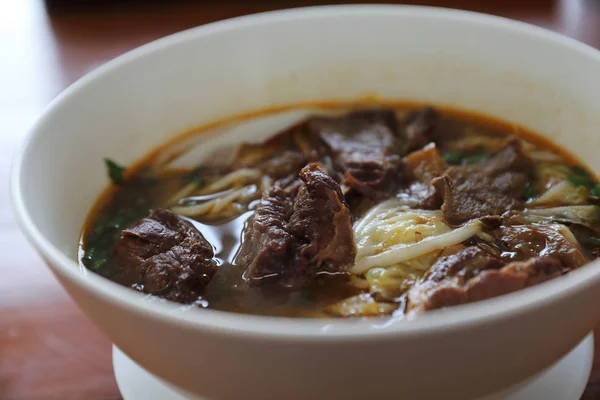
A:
123,110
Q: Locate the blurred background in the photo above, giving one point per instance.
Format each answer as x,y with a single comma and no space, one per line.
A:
47,45
48,350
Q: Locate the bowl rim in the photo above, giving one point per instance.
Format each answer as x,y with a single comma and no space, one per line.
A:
298,329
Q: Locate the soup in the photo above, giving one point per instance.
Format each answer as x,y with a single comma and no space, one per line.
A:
342,211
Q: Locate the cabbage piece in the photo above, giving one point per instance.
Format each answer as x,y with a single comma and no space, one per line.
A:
391,282
548,175
475,142
390,234
562,193
545,156
539,155
566,232
586,215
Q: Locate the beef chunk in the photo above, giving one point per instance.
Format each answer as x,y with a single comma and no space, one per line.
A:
485,189
420,168
521,242
472,275
364,146
321,220
166,256
290,239
266,244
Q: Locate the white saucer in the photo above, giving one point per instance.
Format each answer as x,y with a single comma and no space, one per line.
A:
565,380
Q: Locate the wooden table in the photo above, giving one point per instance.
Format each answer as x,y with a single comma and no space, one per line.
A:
48,349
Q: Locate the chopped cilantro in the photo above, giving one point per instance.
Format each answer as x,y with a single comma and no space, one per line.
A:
115,171
579,180
95,260
197,179
452,158
196,175
581,177
478,156
106,231
475,158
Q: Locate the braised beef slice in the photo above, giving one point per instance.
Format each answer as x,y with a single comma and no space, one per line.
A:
420,168
465,263
514,276
486,189
166,256
280,164
419,126
428,125
521,242
472,275
290,239
285,165
365,147
442,285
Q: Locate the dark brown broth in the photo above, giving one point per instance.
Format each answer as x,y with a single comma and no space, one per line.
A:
227,290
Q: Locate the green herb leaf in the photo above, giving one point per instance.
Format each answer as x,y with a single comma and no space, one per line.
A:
94,260
98,264
478,156
196,175
596,190
115,171
581,177
475,158
597,209
452,158
580,180
196,179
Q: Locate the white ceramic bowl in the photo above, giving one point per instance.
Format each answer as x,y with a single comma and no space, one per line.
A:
507,69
